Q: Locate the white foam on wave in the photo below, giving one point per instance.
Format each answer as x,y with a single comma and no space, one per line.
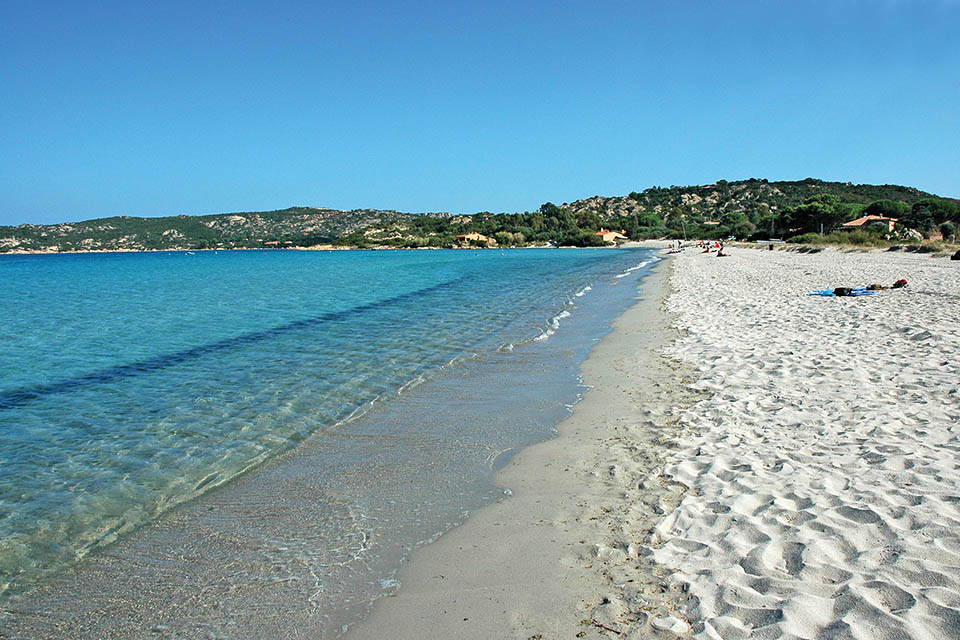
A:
632,269
423,377
579,294
554,324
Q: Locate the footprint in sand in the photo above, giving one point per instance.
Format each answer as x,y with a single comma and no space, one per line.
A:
785,556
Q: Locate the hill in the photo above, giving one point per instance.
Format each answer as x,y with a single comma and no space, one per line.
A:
747,209
296,226
743,208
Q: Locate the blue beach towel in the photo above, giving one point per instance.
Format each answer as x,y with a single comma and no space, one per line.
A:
863,291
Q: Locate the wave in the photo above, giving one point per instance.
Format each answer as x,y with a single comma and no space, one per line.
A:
552,325
638,267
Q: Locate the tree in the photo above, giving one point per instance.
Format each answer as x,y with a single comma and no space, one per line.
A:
733,219
818,212
887,208
588,220
650,220
536,220
770,226
761,211
847,211
548,209
745,229
566,219
948,230
581,239
928,213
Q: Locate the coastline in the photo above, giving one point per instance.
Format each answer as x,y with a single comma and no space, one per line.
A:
310,538
762,463
650,244
749,461
558,557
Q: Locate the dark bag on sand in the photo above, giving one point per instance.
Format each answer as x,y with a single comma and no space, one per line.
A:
841,291
956,256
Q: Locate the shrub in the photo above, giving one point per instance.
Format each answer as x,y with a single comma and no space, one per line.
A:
932,247
948,230
807,238
441,241
863,238
582,239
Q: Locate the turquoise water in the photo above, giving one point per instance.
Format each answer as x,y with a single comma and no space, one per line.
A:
131,383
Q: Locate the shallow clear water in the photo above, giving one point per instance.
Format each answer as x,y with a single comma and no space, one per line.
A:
130,383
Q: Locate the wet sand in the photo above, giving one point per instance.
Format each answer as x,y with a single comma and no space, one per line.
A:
775,465
560,556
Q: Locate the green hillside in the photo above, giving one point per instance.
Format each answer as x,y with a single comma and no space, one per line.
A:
745,209
758,208
297,226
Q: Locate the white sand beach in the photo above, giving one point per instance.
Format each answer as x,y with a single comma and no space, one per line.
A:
784,467
824,493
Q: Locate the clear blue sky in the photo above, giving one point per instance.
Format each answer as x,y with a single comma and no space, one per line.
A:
135,108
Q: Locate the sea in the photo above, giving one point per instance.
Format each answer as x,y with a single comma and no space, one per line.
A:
249,444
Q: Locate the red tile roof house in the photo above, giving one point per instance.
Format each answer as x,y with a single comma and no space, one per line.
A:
862,223
610,236
475,238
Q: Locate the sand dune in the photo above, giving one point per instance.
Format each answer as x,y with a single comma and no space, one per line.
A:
823,461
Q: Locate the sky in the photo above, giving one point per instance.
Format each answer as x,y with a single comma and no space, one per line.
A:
152,109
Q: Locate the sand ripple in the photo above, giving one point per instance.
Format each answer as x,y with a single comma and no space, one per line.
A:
823,462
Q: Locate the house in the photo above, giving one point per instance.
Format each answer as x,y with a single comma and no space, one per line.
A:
865,221
610,236
475,238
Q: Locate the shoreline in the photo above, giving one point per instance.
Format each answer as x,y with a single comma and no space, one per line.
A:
763,462
558,557
747,457
260,542
648,244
